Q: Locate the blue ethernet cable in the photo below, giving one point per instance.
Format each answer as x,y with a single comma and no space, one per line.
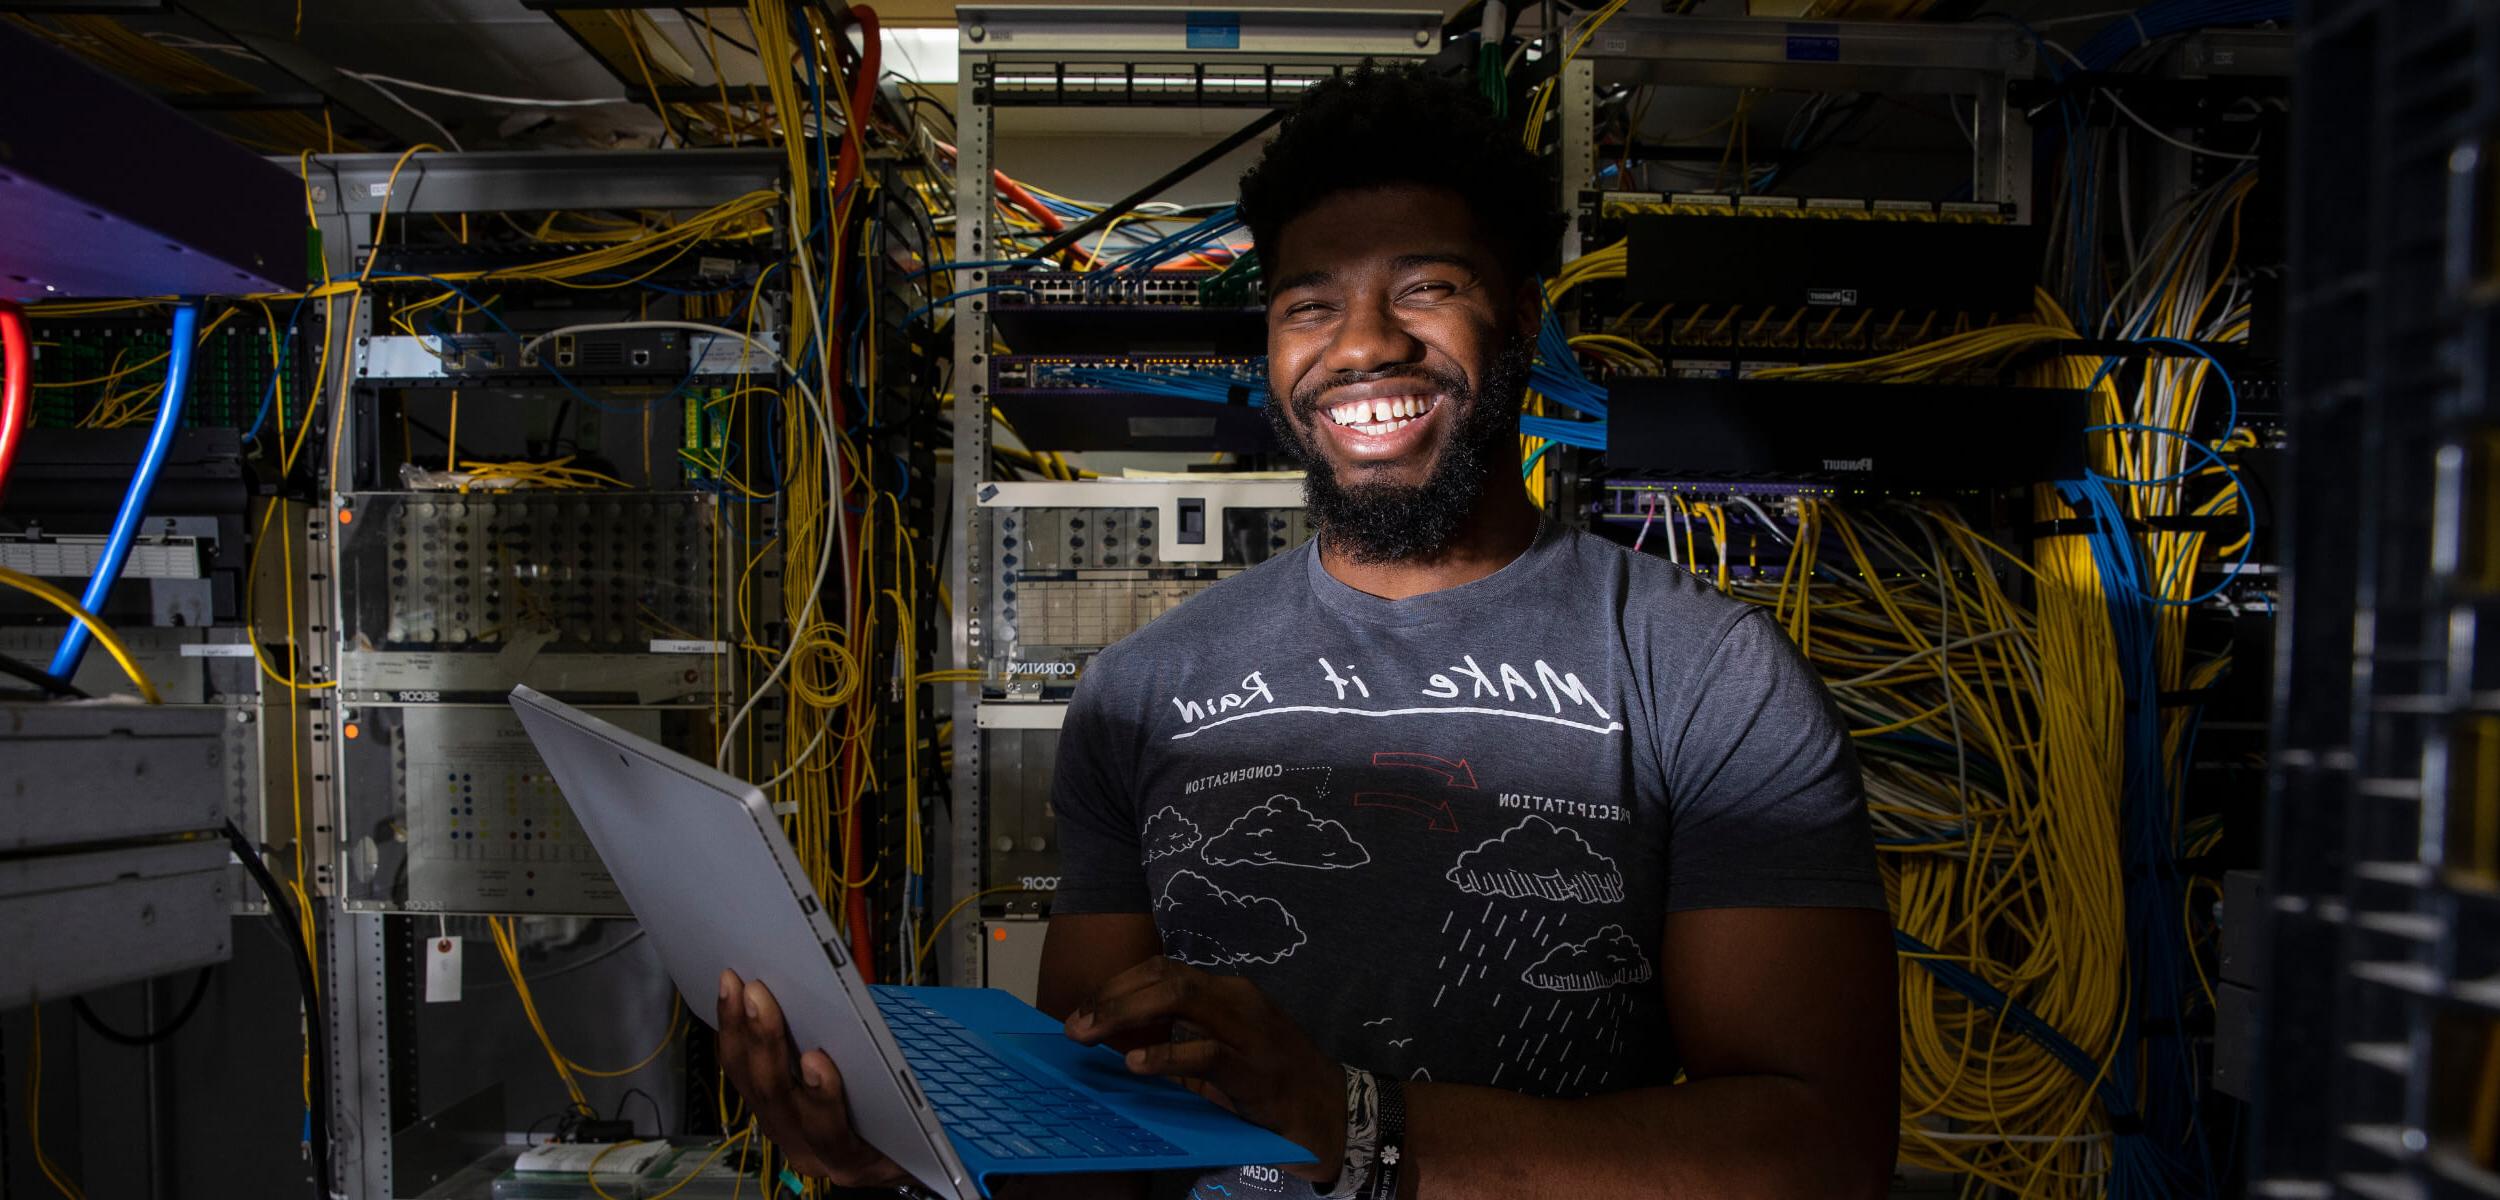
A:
134,507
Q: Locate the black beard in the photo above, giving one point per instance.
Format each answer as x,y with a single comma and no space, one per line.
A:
1387,522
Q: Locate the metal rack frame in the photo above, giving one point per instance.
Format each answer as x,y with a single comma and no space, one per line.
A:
2381,910
1178,43
346,190
1981,59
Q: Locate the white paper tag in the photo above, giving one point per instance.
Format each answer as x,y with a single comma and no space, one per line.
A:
442,970
216,649
687,646
382,188
624,1159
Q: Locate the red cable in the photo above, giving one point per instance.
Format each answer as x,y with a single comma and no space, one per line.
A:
1016,195
863,92
17,384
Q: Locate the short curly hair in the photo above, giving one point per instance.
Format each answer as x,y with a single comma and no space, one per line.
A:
1380,126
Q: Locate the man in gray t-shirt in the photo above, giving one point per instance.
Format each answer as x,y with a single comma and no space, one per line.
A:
1443,844
1445,832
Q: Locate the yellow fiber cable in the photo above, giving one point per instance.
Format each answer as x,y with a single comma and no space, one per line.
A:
34,1104
104,634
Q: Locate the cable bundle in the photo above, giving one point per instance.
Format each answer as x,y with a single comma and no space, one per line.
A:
1980,725
1556,373
1197,239
1212,387
2019,763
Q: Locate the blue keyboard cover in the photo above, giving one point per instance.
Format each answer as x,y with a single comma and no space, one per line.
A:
1006,1112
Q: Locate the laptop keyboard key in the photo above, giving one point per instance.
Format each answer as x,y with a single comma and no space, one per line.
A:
1002,1111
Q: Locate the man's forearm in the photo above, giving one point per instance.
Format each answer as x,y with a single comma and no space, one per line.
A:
1743,1136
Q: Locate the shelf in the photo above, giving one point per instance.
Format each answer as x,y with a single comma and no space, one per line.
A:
1010,715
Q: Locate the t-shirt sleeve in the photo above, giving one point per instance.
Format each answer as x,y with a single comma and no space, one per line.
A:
1092,794
1767,809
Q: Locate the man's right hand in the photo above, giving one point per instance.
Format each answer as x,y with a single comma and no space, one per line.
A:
802,1111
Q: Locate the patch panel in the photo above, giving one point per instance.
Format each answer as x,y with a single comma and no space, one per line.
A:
1045,288
1071,371
1074,580
79,365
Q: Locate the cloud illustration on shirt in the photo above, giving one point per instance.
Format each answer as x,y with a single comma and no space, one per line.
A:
1282,833
1168,833
1538,858
1610,958
1205,926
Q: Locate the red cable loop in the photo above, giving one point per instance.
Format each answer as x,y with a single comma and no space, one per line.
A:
17,384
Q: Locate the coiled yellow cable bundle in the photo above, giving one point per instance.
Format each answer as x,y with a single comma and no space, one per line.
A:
1989,735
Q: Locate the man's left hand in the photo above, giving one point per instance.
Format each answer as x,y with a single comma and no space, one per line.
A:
1252,1059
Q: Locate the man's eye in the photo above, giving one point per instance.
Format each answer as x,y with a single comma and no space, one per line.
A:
1305,309
1431,291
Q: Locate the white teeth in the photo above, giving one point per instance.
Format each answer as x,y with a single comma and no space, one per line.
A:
1376,417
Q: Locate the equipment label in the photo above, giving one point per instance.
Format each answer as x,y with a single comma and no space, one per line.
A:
687,646
1214,31
216,649
442,971
1839,297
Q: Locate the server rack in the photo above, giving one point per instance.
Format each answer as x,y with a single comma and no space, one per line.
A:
2380,1063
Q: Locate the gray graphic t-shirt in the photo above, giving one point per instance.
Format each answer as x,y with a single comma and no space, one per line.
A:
1444,832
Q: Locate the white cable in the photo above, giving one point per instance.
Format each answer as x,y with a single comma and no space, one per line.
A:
2190,147
1649,512
1680,514
375,77
797,761
833,477
1721,539
416,112
1776,532
833,445
2064,53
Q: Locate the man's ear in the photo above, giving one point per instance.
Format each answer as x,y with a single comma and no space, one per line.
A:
1527,306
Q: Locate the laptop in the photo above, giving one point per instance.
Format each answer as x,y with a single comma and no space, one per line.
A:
957,1085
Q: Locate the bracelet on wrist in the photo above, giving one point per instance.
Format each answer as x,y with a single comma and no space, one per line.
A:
1362,1119
1388,1139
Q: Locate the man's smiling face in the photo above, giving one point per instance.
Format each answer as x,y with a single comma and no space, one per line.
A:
1397,349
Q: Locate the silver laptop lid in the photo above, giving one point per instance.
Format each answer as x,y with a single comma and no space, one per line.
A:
708,873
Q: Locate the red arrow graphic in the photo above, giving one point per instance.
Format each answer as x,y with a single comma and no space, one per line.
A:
1456,774
1436,813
